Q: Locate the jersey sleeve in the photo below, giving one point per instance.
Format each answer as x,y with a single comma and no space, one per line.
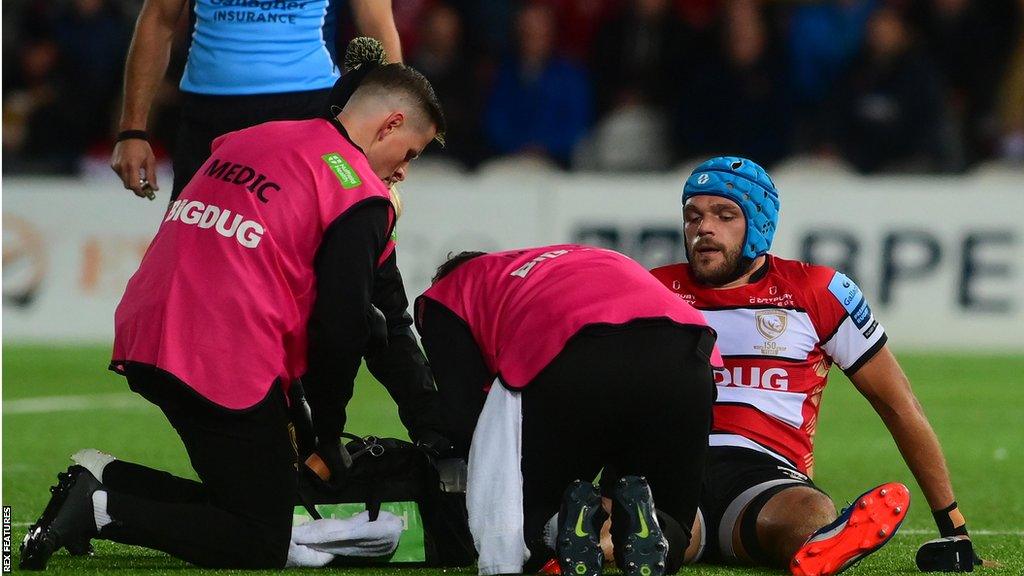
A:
400,365
854,336
459,370
338,327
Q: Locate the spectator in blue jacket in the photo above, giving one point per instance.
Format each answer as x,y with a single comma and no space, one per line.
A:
540,102
824,37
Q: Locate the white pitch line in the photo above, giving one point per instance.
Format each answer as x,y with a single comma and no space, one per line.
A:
43,404
916,531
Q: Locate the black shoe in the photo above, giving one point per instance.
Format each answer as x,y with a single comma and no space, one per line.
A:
640,546
76,547
578,544
59,493
68,519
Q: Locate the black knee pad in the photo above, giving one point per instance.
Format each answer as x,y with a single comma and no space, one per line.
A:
748,525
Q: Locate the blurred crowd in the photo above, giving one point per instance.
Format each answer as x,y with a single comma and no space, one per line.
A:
884,86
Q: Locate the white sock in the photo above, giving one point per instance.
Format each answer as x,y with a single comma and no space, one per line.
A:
93,460
99,509
551,532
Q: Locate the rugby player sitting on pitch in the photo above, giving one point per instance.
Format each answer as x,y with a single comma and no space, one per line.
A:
781,325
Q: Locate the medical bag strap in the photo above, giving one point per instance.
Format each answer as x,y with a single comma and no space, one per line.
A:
370,445
313,512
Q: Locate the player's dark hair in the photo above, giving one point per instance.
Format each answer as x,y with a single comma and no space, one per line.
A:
366,65
454,262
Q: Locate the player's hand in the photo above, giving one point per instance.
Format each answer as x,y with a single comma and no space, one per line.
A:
133,161
952,554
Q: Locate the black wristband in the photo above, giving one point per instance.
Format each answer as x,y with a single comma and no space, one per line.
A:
132,135
950,521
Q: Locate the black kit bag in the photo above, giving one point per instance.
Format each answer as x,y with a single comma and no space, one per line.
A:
399,477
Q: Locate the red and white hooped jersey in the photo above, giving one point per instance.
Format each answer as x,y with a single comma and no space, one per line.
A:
779,335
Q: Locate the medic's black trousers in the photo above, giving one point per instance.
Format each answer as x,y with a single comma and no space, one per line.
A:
634,399
240,514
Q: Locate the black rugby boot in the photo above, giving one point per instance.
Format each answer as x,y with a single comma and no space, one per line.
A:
641,548
578,544
68,519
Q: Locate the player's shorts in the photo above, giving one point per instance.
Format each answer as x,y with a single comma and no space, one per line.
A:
738,482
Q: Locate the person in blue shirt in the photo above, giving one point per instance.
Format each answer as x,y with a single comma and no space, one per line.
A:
249,61
540,103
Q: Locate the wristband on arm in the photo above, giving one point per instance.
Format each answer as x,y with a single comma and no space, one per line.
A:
950,521
132,135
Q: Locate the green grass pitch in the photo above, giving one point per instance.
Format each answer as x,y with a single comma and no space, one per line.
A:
974,402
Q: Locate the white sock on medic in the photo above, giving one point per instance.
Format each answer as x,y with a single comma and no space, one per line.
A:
551,532
99,509
93,460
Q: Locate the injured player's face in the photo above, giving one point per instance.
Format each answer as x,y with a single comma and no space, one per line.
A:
714,229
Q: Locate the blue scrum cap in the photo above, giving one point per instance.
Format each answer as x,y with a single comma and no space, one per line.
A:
748,185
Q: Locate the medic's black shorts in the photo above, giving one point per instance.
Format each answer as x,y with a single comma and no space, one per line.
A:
204,118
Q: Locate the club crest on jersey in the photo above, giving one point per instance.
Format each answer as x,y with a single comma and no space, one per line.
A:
771,324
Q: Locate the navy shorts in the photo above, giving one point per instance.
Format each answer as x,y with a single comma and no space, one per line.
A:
738,480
